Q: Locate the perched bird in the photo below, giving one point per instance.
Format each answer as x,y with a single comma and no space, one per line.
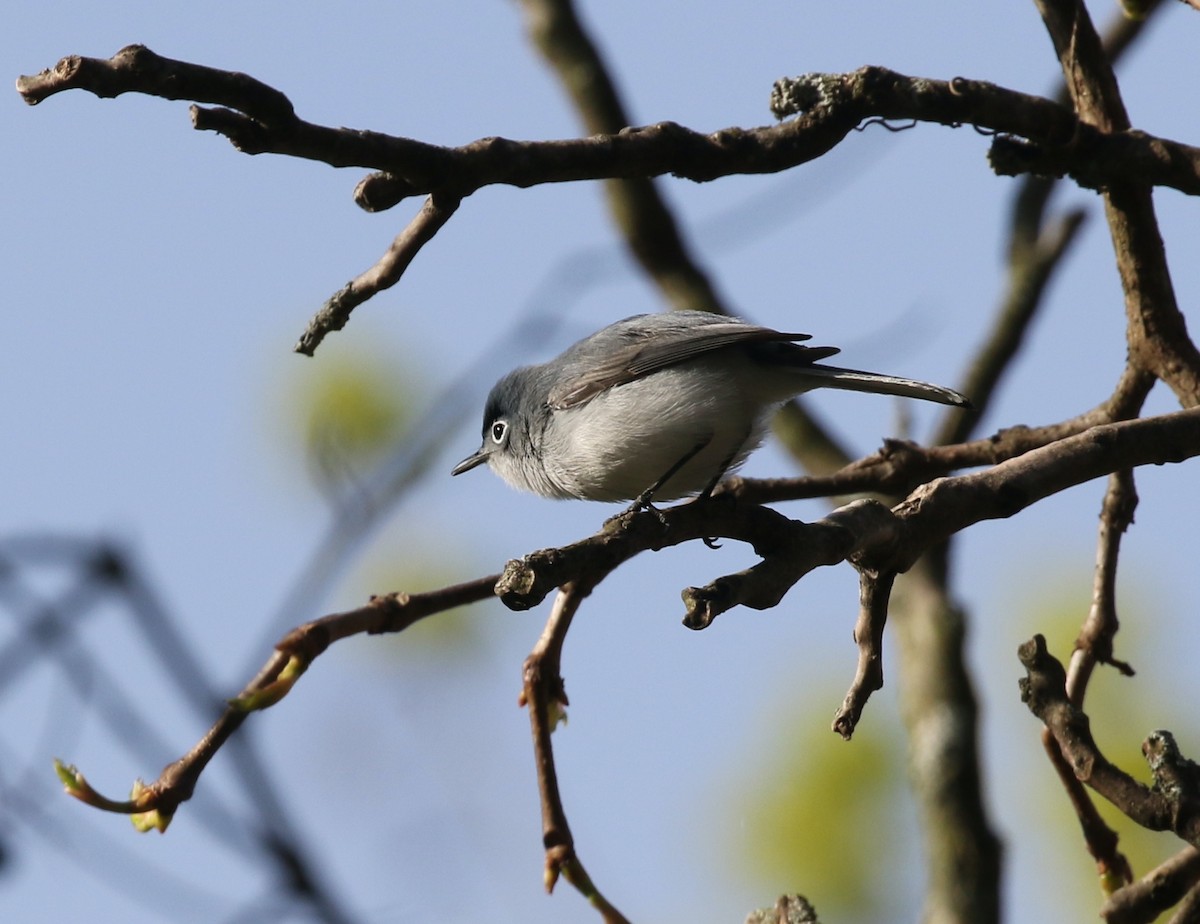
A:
657,406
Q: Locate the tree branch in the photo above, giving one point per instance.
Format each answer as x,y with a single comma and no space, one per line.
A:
874,592
831,105
1036,249
1029,272
1161,888
1094,645
940,711
158,801
940,708
1172,804
1156,331
865,532
901,465
545,697
136,69
334,314
258,119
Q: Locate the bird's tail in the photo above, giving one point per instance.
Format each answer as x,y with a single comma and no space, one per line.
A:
876,383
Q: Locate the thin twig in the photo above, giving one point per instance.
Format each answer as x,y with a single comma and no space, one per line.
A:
1094,644
1142,901
334,314
1101,840
544,695
1172,804
874,592
294,652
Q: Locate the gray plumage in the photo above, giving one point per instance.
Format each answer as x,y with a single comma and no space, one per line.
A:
658,405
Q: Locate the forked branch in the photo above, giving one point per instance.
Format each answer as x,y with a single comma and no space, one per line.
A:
876,539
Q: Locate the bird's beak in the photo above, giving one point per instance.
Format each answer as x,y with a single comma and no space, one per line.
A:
470,462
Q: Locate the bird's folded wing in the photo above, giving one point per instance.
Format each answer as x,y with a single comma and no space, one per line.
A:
642,356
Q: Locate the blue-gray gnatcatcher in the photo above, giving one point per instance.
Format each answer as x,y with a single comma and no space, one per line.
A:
657,406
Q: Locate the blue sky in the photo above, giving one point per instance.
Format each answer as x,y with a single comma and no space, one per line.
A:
155,280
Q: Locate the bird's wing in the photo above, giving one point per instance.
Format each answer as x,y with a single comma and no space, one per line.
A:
642,353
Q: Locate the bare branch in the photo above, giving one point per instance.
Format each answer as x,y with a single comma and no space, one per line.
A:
832,105
1101,841
845,533
136,69
544,695
383,275
294,652
1036,249
874,593
257,119
901,465
877,538
1095,642
940,711
1095,645
1172,804
1143,901
1156,331
864,531
949,505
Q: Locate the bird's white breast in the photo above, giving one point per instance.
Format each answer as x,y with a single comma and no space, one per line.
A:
625,439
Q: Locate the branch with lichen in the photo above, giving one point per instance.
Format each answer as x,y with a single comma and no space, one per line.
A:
257,119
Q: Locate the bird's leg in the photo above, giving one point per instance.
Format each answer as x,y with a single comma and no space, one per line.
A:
723,467
644,500
721,470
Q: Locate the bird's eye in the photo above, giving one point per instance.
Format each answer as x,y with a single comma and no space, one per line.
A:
499,428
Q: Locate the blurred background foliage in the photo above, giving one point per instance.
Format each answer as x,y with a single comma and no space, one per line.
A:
346,412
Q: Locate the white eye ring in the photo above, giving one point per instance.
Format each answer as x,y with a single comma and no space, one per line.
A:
499,429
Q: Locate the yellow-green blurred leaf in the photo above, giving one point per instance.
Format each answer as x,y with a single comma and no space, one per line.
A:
347,410
822,815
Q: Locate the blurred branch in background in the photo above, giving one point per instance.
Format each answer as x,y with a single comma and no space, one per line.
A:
51,588
640,215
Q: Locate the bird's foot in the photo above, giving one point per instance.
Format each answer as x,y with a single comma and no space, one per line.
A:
642,502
